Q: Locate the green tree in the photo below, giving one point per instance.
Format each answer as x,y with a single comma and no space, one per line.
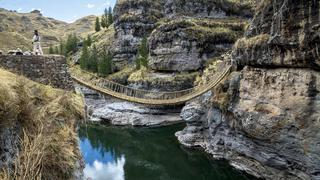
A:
88,41
51,50
93,63
68,45
106,15
105,65
110,16
84,58
62,48
97,25
103,22
143,53
71,44
56,50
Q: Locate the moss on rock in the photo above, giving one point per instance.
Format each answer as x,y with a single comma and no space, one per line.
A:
146,79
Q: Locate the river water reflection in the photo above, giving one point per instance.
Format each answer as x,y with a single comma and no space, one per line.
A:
113,153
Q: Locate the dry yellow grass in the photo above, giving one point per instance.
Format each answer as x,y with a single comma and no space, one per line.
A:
104,38
145,76
48,118
246,43
17,29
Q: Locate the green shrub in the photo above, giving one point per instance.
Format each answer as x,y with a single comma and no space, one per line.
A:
105,65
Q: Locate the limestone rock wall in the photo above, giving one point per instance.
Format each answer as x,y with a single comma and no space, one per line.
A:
208,8
50,70
135,19
265,117
187,44
283,34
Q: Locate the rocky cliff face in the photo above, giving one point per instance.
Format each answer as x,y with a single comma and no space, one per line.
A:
264,118
183,36
208,8
187,44
283,34
136,19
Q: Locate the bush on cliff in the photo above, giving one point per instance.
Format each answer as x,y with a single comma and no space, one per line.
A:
142,59
48,118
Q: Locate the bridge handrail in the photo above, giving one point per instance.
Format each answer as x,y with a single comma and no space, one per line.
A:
136,89
157,98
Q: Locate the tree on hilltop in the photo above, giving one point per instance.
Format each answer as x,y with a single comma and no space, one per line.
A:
97,25
110,16
104,22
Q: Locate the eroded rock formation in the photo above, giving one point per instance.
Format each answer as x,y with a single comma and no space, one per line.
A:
265,117
187,44
136,19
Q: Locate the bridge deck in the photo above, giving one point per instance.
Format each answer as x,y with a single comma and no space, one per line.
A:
119,91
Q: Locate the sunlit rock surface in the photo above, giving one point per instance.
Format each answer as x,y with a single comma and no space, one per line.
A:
122,113
265,117
135,20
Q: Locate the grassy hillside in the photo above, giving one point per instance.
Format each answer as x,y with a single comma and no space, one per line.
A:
16,29
104,38
48,119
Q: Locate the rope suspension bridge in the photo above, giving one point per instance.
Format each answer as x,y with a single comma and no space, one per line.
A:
110,88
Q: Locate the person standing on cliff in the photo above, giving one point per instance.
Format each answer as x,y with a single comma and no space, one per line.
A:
37,50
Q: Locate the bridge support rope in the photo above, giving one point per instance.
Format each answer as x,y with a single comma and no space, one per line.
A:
119,91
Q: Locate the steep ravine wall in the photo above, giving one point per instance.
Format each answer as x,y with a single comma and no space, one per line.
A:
265,117
136,19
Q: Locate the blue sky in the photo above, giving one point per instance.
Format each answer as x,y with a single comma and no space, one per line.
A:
65,10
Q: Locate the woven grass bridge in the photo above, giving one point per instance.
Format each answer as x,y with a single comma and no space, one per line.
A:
119,91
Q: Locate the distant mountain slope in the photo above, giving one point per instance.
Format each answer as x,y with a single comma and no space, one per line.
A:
16,29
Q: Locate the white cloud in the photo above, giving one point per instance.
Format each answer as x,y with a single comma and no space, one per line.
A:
91,6
106,4
20,9
110,171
